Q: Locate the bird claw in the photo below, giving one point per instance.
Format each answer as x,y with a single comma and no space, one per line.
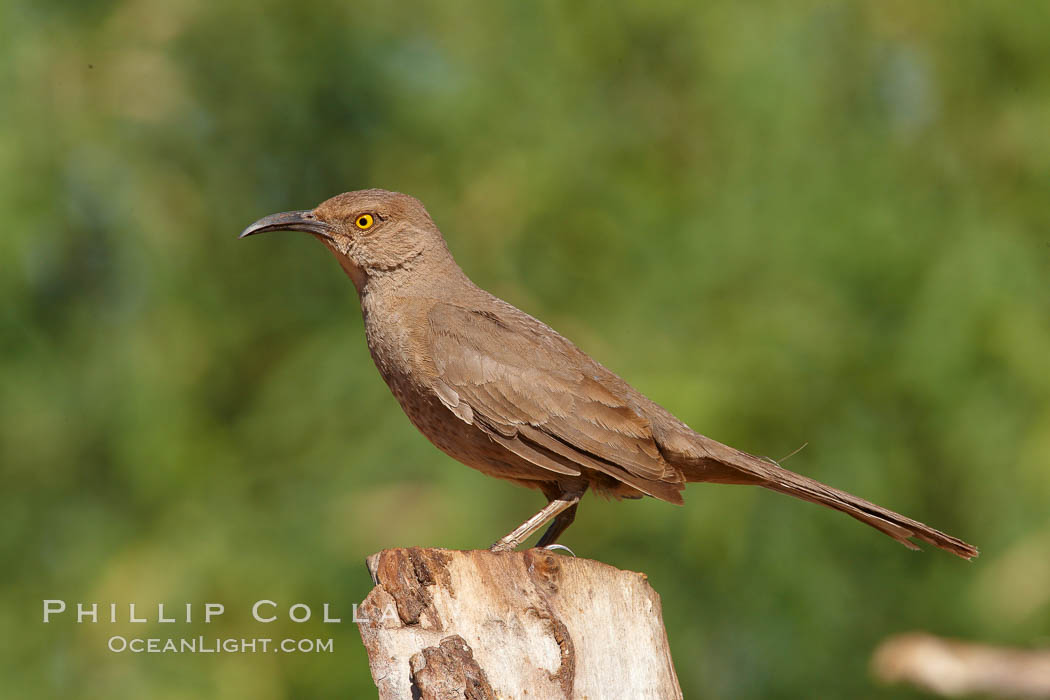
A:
552,547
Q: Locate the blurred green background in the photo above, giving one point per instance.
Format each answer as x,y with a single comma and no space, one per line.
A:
786,222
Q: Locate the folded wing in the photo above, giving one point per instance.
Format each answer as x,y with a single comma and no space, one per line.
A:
536,394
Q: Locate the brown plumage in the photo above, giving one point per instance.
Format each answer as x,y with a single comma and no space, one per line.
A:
505,394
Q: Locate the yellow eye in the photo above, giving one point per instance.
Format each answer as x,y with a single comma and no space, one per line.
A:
364,222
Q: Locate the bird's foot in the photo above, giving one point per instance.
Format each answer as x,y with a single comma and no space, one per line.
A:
504,545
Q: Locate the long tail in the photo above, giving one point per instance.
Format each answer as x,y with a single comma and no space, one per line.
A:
724,464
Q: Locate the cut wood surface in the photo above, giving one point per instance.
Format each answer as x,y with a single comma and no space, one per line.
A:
532,624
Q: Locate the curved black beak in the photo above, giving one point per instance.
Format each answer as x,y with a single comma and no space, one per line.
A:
290,221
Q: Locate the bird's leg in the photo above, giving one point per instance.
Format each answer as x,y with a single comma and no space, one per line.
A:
558,525
562,508
553,491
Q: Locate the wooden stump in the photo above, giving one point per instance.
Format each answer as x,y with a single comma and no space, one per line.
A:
479,624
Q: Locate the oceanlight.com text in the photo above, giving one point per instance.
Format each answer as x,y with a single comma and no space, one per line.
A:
216,645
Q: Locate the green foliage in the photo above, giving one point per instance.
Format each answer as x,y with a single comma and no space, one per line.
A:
786,222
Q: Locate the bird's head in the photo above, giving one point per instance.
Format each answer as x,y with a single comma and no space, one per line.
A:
371,232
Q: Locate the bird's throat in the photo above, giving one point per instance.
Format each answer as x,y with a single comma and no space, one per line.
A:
354,271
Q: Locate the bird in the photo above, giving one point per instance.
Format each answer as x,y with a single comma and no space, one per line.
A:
505,394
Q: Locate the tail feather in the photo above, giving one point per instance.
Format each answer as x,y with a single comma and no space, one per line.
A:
724,464
897,526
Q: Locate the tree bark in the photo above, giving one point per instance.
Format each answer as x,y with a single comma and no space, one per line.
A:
479,624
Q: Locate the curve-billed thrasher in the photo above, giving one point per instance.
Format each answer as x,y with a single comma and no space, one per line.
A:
505,394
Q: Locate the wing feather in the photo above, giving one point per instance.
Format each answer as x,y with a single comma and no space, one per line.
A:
543,399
